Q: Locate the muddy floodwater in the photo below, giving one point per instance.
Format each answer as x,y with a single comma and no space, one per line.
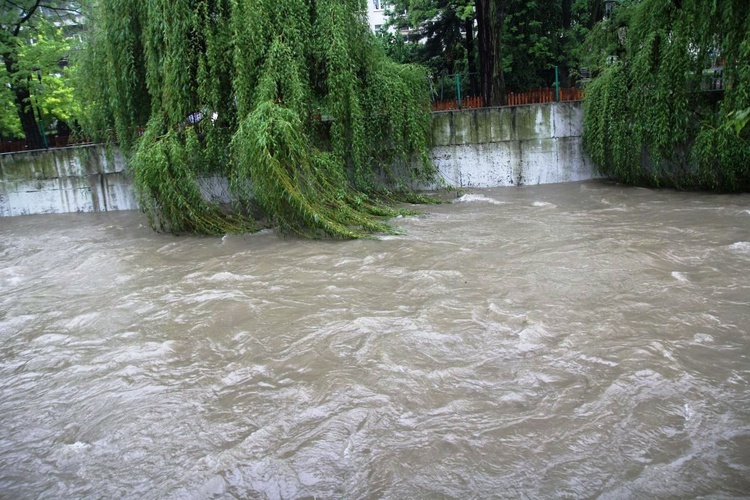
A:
566,341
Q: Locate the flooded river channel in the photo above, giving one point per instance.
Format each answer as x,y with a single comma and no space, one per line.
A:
578,340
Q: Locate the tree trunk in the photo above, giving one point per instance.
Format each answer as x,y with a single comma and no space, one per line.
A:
490,23
567,6
25,111
469,28
29,123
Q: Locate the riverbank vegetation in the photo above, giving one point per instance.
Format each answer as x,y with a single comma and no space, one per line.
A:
670,105
318,131
294,102
667,81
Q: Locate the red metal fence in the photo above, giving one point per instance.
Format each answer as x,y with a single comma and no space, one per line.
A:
12,146
466,103
532,96
53,141
60,141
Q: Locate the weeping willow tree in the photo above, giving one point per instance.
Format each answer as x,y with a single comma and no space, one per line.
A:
654,115
293,102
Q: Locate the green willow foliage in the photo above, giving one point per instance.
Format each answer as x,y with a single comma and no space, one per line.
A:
293,102
649,118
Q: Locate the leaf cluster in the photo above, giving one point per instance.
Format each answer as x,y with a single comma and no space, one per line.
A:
33,49
294,102
650,116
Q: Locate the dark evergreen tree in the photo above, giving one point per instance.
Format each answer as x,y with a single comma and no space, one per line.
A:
509,43
443,34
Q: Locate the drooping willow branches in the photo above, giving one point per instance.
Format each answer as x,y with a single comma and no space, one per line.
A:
293,102
665,110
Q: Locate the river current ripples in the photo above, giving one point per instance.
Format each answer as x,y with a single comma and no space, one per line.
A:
568,341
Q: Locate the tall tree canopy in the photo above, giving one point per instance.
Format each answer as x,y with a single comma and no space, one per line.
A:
654,115
294,102
442,35
513,44
32,46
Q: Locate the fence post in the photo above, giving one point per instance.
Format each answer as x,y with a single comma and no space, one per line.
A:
41,129
458,88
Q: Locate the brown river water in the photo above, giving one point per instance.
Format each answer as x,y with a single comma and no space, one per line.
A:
566,341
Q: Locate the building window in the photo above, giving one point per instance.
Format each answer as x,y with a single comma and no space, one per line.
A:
378,4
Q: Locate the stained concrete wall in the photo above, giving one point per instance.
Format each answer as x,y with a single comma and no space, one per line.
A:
511,146
74,179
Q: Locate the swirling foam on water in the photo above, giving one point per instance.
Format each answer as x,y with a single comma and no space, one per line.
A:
474,198
575,352
543,204
742,247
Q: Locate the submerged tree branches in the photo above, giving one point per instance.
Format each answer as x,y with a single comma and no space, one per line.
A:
292,101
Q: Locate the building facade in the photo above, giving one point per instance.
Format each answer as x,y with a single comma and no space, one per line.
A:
376,14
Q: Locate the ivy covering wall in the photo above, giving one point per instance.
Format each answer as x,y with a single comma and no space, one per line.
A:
669,105
293,101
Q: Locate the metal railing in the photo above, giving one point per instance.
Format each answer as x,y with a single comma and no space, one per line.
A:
460,91
542,95
531,96
52,141
56,140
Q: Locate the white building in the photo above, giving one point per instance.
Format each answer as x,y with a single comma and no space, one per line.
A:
376,14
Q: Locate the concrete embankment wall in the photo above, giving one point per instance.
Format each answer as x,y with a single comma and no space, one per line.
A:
512,146
509,146
73,179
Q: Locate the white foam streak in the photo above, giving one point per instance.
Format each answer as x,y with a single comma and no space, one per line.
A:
478,198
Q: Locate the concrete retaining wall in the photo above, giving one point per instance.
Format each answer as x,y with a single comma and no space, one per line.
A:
74,179
510,146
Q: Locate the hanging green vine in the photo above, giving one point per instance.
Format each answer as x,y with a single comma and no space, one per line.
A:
664,108
293,102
